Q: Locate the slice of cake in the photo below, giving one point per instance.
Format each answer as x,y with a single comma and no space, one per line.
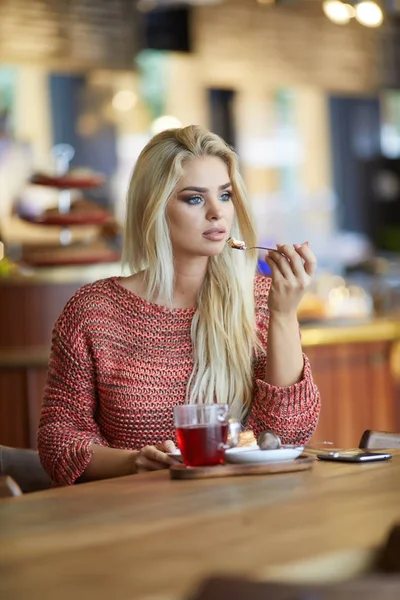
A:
237,244
247,439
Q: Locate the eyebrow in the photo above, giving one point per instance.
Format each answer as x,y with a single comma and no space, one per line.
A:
204,190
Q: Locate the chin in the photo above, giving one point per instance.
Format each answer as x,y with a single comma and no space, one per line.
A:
216,251
206,250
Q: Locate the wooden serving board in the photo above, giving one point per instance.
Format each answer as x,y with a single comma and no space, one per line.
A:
183,472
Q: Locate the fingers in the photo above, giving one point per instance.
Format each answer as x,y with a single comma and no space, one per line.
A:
295,261
144,464
151,458
289,260
152,453
280,260
167,446
310,260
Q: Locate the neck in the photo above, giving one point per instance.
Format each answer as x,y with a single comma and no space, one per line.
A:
189,277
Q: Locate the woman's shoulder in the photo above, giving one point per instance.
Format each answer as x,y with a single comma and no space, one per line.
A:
87,296
92,301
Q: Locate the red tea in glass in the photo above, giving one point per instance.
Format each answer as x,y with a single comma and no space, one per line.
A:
202,445
202,431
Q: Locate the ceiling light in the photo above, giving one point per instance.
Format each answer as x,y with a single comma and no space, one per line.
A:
338,12
369,14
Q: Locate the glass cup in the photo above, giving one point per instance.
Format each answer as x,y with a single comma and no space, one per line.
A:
202,432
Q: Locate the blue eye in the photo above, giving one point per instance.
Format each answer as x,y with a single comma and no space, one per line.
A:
226,196
194,200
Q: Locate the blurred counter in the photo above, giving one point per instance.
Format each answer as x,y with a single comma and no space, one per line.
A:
356,365
371,330
375,330
75,275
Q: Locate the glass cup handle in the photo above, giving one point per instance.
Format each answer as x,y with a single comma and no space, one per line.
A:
234,429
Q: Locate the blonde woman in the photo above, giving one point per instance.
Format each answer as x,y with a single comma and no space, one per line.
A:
191,324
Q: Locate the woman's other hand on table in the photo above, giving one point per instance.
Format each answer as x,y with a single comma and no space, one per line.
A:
155,458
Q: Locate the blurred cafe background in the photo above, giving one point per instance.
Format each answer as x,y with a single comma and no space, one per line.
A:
306,91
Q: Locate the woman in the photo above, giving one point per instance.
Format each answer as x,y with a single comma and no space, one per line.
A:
191,324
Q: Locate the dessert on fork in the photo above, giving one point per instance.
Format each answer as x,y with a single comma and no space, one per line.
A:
237,244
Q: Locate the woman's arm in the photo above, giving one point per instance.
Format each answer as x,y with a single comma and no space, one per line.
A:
106,462
68,429
290,278
285,361
285,400
70,442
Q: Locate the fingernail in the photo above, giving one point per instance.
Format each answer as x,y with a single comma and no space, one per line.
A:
296,246
305,244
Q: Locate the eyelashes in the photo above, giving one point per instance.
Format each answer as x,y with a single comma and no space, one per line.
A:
196,200
228,196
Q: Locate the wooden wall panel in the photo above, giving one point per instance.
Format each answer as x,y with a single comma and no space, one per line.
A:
382,387
28,312
324,376
357,391
14,415
21,393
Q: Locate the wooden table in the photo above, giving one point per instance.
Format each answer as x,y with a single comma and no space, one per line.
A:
149,538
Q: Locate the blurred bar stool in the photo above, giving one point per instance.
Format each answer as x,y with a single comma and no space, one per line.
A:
368,588
25,468
382,582
389,558
374,440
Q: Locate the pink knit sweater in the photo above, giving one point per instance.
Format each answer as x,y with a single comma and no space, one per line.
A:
118,366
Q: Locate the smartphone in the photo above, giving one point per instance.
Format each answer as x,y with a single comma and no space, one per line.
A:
357,456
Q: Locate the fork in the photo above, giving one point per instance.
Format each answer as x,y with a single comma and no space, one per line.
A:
258,248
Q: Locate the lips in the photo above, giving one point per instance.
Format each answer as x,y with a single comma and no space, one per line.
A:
215,234
215,230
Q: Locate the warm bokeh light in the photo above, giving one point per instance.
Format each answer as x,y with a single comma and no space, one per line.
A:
163,123
124,100
369,14
338,12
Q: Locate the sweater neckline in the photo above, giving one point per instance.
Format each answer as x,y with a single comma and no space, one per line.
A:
116,281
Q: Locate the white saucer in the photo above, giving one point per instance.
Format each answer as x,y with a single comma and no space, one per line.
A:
255,455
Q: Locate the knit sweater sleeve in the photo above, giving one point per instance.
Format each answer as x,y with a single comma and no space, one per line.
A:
67,425
291,412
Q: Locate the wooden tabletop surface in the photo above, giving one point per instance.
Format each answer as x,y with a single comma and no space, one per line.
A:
149,538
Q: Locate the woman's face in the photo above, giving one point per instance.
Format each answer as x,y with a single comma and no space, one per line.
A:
200,213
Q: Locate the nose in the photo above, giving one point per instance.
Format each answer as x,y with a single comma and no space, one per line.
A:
214,209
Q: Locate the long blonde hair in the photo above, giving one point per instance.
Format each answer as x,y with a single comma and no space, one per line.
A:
223,328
